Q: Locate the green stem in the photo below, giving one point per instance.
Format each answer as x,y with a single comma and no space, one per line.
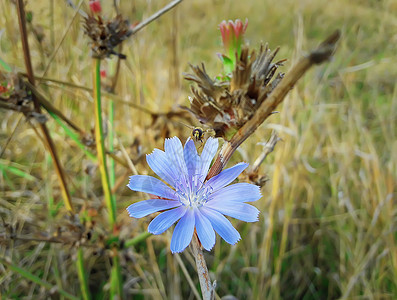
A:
112,174
36,279
115,277
116,283
100,144
82,275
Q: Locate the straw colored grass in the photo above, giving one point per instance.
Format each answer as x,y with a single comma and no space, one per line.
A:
327,227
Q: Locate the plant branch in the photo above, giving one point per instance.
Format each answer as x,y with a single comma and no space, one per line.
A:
322,53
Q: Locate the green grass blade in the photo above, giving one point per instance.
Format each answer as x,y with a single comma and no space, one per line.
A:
75,137
13,170
5,66
136,240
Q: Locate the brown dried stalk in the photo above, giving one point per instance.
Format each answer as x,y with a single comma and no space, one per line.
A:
322,53
207,288
49,144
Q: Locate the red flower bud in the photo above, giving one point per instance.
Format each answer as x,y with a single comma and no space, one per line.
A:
95,6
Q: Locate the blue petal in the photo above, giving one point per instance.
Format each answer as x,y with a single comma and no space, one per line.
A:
241,211
221,225
210,148
147,207
163,221
240,192
159,163
183,232
174,151
226,176
151,185
205,232
191,157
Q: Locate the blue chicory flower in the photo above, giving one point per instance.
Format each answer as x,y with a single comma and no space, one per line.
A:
197,203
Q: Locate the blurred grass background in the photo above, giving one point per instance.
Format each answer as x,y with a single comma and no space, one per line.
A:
327,228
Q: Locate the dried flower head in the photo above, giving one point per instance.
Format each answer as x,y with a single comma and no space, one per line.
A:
199,204
17,96
226,105
106,35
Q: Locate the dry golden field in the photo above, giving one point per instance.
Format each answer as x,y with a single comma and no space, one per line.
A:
327,227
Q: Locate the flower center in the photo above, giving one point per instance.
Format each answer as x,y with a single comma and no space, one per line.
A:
192,191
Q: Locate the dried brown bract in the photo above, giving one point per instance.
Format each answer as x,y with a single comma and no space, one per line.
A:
226,105
106,35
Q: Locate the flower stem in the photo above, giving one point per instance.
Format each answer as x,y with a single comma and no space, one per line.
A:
82,275
112,175
207,289
100,144
115,275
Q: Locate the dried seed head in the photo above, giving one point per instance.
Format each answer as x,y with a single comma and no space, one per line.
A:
13,90
106,35
225,105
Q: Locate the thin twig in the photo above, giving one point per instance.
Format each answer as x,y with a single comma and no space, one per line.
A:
105,94
155,16
10,137
323,52
268,148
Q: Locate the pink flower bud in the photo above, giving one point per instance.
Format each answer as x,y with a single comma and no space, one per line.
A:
95,6
232,34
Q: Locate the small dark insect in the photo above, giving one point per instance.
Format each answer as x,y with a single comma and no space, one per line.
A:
198,133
